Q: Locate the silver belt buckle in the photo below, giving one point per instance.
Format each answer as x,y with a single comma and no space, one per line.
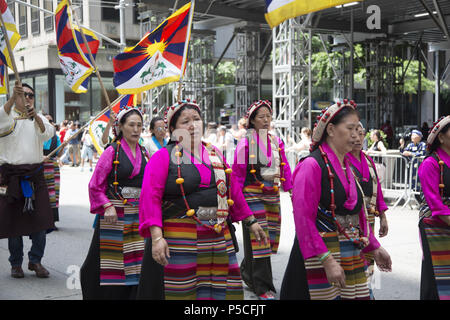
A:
131,192
206,213
3,190
346,220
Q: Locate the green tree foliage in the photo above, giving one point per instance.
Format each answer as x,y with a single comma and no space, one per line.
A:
324,74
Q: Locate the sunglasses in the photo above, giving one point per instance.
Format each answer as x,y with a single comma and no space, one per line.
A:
29,95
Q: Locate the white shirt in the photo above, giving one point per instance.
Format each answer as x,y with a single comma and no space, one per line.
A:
25,144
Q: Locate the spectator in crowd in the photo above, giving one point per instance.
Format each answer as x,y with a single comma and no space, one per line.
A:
63,130
416,148
304,143
425,129
241,132
74,144
158,136
211,133
387,129
87,150
378,144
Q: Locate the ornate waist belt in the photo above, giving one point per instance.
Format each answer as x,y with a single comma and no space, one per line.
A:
131,192
206,213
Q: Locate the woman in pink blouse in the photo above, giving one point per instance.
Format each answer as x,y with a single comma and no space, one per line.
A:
434,225
365,171
261,169
188,201
330,219
113,265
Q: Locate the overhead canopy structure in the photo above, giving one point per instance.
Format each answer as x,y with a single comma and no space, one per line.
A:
403,19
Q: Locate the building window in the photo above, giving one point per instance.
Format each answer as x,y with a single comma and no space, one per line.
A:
109,13
23,27
35,18
77,6
48,18
12,8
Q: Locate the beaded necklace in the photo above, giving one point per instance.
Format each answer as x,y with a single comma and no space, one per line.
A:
360,242
253,170
441,168
116,163
191,212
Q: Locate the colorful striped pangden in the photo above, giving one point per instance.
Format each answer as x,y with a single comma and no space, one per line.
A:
202,264
438,238
345,253
52,178
121,247
266,209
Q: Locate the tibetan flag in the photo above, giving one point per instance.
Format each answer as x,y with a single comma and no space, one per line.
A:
72,52
278,11
97,127
159,58
11,29
3,75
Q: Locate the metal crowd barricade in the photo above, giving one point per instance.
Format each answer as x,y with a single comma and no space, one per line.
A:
393,174
414,187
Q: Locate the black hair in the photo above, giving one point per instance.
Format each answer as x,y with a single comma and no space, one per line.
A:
175,117
154,121
253,115
378,134
338,118
436,143
124,119
28,86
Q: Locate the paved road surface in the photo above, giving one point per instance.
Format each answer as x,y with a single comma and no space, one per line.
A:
67,248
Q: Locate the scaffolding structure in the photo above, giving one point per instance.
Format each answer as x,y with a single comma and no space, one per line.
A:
292,77
380,82
199,77
247,70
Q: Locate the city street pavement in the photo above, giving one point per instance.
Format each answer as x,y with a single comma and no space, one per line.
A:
67,248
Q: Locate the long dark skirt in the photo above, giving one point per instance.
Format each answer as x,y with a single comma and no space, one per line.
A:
256,273
295,283
90,277
151,283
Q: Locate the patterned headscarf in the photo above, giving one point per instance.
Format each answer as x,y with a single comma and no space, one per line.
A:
254,107
325,117
172,110
436,128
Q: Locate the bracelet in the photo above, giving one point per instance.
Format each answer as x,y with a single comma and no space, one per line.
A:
324,256
253,221
157,239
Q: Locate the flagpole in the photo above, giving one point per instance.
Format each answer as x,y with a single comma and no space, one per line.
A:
87,124
94,64
186,47
11,57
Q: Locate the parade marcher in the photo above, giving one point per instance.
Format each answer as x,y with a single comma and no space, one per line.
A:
158,139
330,218
261,168
364,169
24,201
52,172
434,223
188,201
113,264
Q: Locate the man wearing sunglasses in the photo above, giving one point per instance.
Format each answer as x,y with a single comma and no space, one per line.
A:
24,200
